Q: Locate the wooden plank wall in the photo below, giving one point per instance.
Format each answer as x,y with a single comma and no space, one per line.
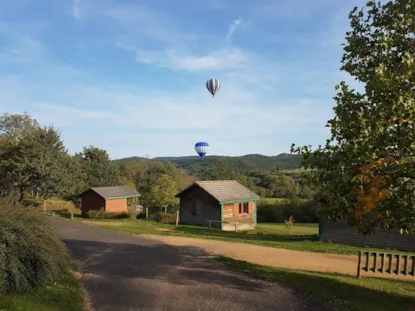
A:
342,233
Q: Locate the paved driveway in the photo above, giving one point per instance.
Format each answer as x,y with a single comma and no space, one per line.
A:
123,272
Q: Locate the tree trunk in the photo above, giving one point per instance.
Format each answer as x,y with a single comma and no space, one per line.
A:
165,209
21,196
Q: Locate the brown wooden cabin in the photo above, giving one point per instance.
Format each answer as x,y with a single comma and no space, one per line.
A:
107,199
226,203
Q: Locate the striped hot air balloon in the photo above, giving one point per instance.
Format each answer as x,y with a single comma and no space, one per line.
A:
213,86
202,148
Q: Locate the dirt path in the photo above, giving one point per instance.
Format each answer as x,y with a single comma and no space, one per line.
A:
269,256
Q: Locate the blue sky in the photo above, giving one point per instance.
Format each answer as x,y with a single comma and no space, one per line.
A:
129,75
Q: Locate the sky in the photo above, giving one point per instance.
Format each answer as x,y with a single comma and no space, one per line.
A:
129,76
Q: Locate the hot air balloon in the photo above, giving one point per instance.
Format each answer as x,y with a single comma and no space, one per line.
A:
213,86
201,148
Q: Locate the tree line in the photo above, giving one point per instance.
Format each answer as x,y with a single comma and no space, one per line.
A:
34,161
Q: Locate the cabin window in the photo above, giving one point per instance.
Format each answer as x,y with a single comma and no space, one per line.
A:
244,208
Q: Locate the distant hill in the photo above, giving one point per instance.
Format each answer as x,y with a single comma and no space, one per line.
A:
250,162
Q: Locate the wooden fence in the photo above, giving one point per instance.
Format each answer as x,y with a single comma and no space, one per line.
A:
397,264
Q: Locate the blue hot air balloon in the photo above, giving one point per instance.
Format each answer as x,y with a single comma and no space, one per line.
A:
213,86
201,148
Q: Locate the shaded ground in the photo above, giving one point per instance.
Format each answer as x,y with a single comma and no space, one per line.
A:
274,257
123,272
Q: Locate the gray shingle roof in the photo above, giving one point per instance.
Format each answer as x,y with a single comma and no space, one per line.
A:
115,191
224,190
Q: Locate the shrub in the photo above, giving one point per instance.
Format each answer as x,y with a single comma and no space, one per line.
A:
106,215
141,216
169,218
52,204
132,211
289,224
31,253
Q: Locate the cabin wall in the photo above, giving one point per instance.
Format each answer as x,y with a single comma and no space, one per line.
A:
91,201
197,207
116,206
343,233
246,221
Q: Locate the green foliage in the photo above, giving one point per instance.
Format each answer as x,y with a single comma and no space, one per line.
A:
302,211
32,157
106,215
368,163
158,187
31,253
99,170
169,218
241,164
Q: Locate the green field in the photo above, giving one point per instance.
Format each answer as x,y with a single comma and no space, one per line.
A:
63,296
303,237
340,292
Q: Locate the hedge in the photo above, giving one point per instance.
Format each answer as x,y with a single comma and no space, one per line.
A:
106,215
303,212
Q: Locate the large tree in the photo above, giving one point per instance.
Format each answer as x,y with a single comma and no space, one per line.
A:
158,186
367,166
99,170
32,158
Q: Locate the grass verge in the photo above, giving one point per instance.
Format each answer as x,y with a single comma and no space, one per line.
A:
340,292
303,237
62,296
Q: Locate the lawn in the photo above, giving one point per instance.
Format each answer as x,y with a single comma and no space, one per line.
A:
303,237
341,292
62,296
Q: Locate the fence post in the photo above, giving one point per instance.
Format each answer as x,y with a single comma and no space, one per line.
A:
146,213
44,205
71,216
177,218
358,264
209,223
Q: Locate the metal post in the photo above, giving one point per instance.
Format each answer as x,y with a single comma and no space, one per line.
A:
358,264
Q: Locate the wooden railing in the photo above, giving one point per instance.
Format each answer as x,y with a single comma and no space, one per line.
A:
60,213
396,264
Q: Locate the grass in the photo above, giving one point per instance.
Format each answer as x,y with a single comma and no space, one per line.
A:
341,292
62,296
303,238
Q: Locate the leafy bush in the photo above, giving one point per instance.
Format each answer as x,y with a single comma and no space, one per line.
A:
303,212
132,211
31,253
106,215
169,218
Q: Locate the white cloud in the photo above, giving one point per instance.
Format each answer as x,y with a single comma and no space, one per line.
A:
218,60
76,9
25,50
232,28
